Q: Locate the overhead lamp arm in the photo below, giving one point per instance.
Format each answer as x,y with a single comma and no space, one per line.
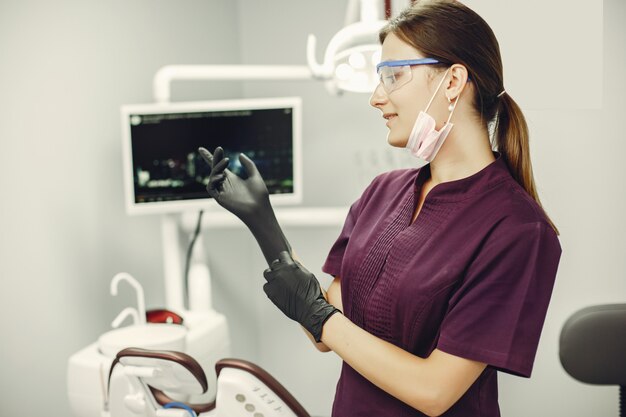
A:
363,9
370,10
165,75
352,12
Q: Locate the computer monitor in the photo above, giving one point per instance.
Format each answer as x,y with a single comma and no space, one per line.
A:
163,171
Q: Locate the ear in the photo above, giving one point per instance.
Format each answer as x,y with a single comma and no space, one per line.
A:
457,80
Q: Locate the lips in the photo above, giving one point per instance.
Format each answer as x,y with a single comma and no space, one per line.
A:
389,117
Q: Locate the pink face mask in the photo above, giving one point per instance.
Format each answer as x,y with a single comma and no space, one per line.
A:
425,141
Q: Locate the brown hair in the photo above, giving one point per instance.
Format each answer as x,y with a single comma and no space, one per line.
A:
449,31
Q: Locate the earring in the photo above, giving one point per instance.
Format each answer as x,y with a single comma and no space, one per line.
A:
451,106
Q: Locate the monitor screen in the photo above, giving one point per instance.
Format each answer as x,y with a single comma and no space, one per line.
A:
164,171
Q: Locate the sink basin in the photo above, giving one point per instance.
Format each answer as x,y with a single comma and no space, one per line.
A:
157,336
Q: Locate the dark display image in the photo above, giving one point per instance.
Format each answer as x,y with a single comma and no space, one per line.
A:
166,163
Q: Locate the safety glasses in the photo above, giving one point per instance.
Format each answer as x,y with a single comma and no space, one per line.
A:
395,74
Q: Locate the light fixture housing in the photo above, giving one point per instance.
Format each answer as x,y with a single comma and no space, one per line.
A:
352,54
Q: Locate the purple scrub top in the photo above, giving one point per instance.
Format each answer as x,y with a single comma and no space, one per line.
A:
472,277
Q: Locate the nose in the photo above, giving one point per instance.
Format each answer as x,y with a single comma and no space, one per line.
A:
379,96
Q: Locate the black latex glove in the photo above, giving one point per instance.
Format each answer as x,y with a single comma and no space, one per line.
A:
297,293
247,199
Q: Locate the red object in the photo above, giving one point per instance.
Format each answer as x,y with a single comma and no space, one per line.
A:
163,316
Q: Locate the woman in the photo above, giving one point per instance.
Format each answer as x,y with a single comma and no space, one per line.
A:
443,274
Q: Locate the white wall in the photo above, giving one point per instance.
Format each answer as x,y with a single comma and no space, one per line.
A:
580,171
67,66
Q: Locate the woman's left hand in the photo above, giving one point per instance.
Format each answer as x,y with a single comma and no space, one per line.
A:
297,293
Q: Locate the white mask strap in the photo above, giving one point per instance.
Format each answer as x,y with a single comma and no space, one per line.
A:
454,106
436,91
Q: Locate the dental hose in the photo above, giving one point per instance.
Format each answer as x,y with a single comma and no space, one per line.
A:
181,406
190,252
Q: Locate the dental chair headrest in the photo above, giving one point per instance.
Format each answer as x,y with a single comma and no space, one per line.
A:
177,371
180,373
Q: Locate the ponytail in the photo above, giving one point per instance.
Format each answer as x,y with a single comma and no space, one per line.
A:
511,133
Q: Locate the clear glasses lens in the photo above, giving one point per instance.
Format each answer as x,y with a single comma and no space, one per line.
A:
393,78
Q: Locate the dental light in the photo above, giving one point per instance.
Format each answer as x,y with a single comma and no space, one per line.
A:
352,54
349,61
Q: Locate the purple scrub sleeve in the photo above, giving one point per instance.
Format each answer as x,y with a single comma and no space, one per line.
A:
497,314
471,276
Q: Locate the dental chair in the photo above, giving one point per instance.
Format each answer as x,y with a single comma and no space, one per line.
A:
151,383
592,347
169,364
